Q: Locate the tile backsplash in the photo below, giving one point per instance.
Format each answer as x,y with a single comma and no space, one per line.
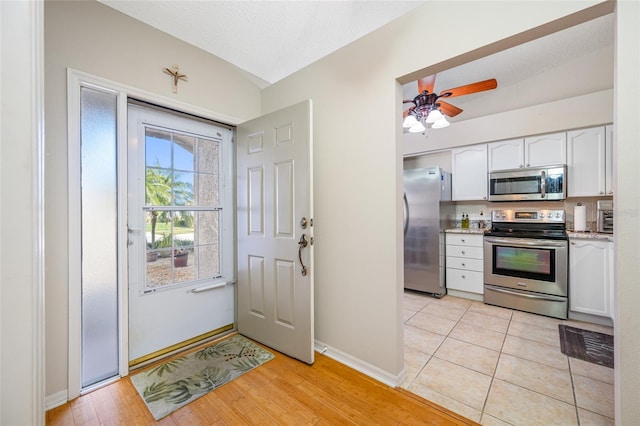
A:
473,209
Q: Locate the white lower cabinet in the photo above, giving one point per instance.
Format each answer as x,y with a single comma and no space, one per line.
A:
464,264
590,277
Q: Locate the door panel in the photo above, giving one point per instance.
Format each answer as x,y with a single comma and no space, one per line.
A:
181,224
275,299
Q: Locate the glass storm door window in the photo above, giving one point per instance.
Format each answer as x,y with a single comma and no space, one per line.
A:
182,209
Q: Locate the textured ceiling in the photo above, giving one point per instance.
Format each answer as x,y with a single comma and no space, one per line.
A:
269,39
273,39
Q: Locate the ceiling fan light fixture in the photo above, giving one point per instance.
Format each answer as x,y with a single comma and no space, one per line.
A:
442,122
434,116
417,128
409,121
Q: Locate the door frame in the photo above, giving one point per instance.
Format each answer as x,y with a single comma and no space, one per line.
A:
75,80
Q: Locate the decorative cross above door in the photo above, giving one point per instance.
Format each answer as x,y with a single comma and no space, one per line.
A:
175,73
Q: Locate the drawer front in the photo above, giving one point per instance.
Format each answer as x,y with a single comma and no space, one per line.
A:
465,264
471,281
466,252
470,240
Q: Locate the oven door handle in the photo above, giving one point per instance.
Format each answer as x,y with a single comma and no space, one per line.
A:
521,242
527,295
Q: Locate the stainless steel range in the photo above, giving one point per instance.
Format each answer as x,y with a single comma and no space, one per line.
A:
526,261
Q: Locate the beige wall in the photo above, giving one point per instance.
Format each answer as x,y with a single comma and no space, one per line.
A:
90,37
357,164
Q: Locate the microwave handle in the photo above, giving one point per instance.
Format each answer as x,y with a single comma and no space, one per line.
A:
543,184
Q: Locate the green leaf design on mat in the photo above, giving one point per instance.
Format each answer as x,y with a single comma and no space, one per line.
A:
246,364
215,376
167,367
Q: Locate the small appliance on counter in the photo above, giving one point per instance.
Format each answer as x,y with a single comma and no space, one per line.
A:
605,216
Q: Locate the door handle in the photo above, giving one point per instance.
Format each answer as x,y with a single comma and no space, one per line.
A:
302,244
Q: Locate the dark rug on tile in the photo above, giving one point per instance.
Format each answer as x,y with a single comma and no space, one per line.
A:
587,345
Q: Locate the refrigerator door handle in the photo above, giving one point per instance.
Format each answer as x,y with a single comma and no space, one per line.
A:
406,215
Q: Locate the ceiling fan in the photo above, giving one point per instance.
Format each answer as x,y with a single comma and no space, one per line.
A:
429,108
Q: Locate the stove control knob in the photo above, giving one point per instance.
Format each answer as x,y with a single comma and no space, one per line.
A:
542,215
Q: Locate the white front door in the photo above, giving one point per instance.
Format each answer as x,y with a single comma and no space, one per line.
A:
275,270
180,231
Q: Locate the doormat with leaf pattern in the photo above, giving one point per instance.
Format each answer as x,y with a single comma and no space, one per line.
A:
175,383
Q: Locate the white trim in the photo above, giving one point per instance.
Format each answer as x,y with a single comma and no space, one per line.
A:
38,123
75,278
123,287
76,79
361,366
56,399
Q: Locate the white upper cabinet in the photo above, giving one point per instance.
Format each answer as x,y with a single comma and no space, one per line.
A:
586,152
505,155
545,150
469,173
534,151
608,159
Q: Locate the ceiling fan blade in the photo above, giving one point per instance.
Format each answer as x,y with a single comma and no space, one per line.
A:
426,83
480,86
448,109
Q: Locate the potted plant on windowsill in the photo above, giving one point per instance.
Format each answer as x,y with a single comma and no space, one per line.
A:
180,258
152,256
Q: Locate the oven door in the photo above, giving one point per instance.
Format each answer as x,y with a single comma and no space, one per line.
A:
537,265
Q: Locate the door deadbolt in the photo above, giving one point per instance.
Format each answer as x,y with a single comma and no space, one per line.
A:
304,222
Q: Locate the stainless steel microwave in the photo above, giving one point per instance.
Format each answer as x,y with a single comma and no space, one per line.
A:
533,184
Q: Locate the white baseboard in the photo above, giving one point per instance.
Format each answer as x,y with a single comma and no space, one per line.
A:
56,399
595,319
465,295
361,366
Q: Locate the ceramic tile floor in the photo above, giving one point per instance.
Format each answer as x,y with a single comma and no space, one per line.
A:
501,367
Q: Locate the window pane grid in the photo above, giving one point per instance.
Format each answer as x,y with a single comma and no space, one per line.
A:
182,208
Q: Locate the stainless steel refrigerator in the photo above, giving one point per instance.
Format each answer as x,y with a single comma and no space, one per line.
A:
427,205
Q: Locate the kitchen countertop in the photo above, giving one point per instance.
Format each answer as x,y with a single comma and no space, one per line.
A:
571,234
589,236
479,231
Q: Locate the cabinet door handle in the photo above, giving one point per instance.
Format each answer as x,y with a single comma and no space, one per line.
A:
463,277
463,252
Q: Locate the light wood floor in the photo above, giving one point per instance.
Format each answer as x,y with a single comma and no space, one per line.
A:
281,392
